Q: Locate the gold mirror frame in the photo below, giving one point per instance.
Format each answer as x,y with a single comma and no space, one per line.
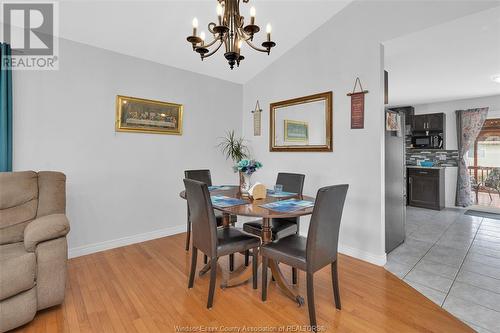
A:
328,98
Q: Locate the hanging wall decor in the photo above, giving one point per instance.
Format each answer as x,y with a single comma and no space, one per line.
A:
357,106
147,116
257,119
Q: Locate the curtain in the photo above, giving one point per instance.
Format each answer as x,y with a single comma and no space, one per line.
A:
5,109
469,124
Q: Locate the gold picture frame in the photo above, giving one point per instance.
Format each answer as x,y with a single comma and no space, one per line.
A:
147,116
296,131
302,103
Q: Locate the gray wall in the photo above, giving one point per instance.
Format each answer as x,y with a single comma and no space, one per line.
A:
122,187
330,58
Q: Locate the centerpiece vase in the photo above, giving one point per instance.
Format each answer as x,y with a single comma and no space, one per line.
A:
245,183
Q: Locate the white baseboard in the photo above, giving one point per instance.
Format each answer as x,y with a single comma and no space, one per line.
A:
114,243
378,260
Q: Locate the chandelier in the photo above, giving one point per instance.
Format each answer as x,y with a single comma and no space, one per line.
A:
231,31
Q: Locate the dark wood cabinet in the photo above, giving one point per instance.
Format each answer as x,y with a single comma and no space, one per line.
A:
426,188
434,122
419,123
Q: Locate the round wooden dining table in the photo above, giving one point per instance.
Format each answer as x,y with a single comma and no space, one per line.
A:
253,209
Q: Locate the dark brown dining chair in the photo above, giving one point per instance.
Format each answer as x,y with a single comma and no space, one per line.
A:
212,241
317,250
284,227
204,176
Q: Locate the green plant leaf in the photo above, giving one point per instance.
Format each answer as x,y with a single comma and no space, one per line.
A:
233,147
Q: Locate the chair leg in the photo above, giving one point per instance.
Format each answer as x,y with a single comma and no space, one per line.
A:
188,234
255,253
265,265
310,300
247,256
194,256
205,259
335,282
213,276
294,275
231,262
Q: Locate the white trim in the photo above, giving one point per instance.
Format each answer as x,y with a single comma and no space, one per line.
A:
114,243
378,260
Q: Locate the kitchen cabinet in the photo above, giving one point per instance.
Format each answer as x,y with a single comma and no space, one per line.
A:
434,122
420,123
426,188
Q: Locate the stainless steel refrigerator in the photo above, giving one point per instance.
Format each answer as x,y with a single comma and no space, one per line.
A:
395,185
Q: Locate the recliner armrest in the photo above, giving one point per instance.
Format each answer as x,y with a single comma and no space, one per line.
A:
45,228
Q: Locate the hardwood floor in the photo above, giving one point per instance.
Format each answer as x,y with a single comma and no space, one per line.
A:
143,288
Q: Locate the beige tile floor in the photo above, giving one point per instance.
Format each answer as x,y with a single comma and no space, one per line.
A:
454,260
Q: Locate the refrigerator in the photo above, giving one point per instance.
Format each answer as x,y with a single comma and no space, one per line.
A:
395,185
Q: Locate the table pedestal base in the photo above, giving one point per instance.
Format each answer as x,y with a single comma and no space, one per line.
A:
244,273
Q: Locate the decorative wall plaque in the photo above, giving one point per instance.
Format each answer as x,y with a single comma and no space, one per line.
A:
357,106
257,119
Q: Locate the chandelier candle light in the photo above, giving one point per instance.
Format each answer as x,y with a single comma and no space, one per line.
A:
231,31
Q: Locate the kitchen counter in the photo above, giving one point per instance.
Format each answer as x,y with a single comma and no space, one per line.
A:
422,167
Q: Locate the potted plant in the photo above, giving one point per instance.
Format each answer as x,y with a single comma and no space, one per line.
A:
234,148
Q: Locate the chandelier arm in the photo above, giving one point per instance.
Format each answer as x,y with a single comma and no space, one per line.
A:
212,42
214,50
243,35
211,27
256,48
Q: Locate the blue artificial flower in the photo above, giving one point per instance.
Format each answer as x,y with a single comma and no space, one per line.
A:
247,166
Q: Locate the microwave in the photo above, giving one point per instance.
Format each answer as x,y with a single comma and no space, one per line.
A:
427,142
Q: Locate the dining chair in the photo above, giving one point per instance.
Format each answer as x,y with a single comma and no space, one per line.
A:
212,241
204,176
317,250
283,227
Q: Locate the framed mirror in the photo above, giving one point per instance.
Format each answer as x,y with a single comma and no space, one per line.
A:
302,124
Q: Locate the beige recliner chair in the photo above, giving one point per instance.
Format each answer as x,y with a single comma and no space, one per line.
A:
33,247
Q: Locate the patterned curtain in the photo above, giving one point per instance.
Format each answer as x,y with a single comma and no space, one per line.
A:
469,124
5,110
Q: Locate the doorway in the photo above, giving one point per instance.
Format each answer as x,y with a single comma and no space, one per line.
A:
484,166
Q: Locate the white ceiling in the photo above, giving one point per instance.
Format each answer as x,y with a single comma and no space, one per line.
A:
157,30
454,60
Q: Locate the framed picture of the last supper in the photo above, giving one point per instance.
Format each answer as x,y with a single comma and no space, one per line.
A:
147,116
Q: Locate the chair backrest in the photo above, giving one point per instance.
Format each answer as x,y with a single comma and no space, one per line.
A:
493,179
26,195
292,182
199,175
323,235
204,224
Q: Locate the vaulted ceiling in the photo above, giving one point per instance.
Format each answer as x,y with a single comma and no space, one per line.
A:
452,60
157,30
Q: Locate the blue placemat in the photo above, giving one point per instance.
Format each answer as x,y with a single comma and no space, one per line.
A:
290,205
223,201
219,188
281,194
